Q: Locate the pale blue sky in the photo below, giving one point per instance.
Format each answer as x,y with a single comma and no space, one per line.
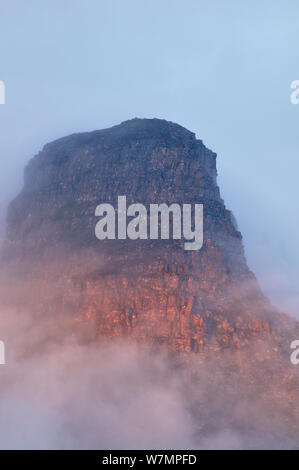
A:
222,69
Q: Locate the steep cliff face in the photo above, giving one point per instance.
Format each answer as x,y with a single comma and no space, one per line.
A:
152,290
204,304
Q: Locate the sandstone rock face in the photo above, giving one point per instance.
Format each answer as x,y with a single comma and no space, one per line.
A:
204,304
153,290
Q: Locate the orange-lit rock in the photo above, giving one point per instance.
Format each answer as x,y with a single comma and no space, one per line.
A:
205,302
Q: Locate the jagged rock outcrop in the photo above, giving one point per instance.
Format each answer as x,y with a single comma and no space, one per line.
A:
154,290
205,302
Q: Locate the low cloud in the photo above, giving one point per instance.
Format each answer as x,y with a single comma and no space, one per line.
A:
59,392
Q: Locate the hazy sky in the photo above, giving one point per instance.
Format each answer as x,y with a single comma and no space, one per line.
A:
221,69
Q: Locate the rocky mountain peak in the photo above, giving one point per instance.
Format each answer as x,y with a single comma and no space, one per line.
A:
205,303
